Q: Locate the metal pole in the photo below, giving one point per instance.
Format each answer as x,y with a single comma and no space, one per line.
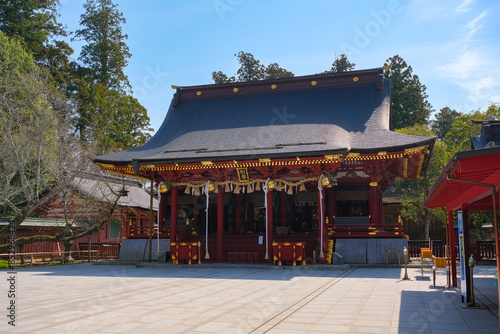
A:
472,301
406,264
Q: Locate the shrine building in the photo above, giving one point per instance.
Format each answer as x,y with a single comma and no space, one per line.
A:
303,159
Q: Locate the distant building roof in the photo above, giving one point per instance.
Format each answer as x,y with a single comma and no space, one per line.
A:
38,222
105,188
489,137
299,116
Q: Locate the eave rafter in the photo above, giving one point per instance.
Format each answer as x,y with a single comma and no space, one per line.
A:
373,163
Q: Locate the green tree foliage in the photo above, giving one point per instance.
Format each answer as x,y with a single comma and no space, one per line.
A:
108,114
35,24
39,155
414,192
128,121
274,71
29,112
220,78
442,122
105,52
409,105
341,64
251,69
34,21
462,130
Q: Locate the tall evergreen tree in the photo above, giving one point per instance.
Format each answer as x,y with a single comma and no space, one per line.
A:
219,78
341,64
105,54
34,21
107,112
409,105
443,121
274,71
251,69
35,24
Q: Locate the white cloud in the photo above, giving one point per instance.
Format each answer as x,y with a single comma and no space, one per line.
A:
463,7
463,65
474,25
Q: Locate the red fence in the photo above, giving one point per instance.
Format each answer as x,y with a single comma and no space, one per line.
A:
105,250
482,250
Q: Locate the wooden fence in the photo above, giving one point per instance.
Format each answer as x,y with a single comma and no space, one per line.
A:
482,250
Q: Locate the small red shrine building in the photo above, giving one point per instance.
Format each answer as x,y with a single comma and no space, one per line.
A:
302,159
88,201
470,182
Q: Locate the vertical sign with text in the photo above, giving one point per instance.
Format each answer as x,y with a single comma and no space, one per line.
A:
461,247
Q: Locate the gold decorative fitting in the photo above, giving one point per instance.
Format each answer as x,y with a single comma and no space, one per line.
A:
355,79
353,155
211,187
235,90
313,83
273,86
416,149
207,163
106,166
198,93
382,153
271,185
329,157
163,188
325,182
373,184
147,167
265,160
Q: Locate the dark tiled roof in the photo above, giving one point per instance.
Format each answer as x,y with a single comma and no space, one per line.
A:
489,137
342,112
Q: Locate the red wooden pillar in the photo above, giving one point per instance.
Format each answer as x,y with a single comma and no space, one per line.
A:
269,234
330,193
220,224
238,213
380,208
283,207
374,207
173,214
161,211
453,255
195,213
321,225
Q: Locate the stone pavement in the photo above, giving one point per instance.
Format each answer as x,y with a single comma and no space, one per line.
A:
85,298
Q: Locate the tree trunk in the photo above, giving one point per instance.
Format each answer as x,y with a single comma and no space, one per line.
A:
427,225
67,249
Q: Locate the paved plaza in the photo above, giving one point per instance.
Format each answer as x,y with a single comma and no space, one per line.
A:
85,298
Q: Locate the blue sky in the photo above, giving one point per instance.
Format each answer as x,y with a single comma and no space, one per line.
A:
453,46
